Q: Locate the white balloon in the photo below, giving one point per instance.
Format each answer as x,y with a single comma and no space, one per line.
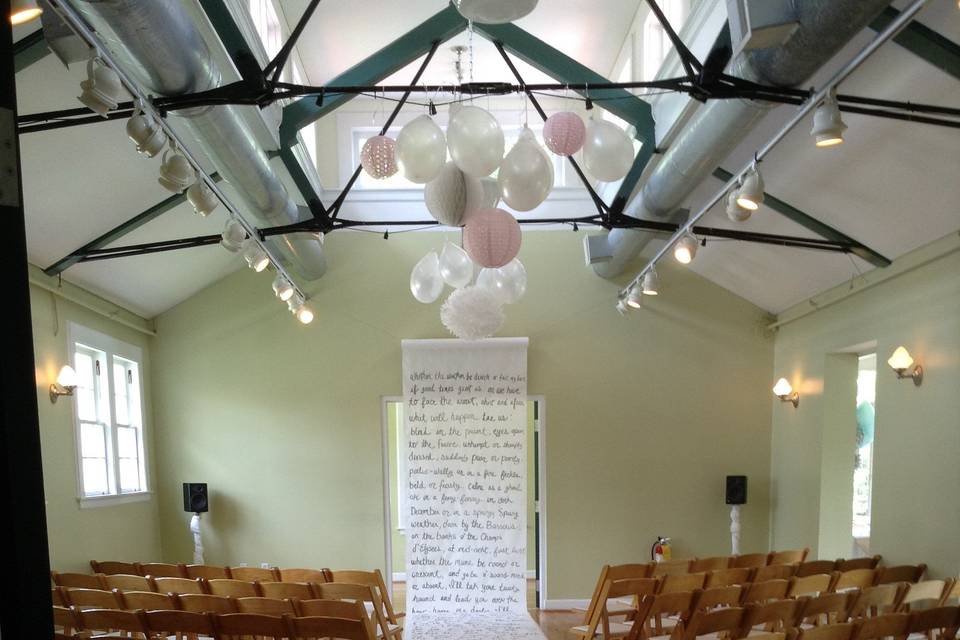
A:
475,140
607,151
526,174
446,195
426,284
515,276
456,267
494,281
421,150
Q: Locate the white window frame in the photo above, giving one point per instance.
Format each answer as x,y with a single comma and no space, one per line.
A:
78,335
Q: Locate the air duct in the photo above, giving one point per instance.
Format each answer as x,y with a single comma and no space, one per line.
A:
158,43
825,26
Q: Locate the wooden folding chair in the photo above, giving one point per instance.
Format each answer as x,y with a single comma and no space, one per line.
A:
749,561
774,572
56,596
927,593
677,606
890,625
110,567
600,623
254,574
838,631
773,616
161,570
367,595
303,575
292,590
716,563
717,597
374,579
617,608
728,623
111,620
234,626
168,623
128,582
901,573
810,585
934,623
760,592
206,571
854,579
792,556
349,609
670,568
146,600
877,600
953,596
727,577
827,608
64,619
684,582
324,627
233,588
178,585
815,567
870,562
265,606
91,598
77,580
205,603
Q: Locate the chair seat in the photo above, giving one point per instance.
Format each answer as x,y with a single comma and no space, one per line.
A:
617,630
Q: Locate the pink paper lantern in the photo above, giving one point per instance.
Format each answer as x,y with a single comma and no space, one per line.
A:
564,133
492,237
378,157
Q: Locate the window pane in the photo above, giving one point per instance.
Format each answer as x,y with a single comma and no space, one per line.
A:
127,443
84,368
91,441
95,476
86,404
133,394
129,475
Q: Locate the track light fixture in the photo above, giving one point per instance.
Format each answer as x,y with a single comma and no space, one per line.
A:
734,211
634,298
298,307
750,195
651,284
282,288
102,91
257,259
233,236
23,11
828,125
686,249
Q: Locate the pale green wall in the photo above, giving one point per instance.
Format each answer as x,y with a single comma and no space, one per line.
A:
646,414
838,437
916,511
128,532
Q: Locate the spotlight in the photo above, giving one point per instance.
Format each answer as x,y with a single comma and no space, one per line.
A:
828,125
204,200
686,249
634,298
176,174
734,211
298,307
233,236
282,288
102,90
750,195
257,259
23,11
651,284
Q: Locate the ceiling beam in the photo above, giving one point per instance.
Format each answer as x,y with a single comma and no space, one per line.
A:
809,222
29,49
923,42
120,230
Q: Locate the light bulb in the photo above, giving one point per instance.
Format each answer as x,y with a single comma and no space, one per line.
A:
23,11
651,284
67,377
686,249
750,195
782,388
257,259
282,288
900,360
734,211
305,314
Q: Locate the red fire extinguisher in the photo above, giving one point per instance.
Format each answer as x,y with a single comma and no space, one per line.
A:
661,550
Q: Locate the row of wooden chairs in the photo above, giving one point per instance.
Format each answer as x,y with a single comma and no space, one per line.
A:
758,560
209,571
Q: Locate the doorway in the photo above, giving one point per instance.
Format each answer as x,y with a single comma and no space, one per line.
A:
863,457
393,470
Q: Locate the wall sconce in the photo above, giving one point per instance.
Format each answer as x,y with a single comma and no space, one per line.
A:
65,384
902,363
785,392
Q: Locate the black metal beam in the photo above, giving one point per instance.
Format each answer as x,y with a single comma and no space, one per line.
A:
30,49
119,231
809,222
923,42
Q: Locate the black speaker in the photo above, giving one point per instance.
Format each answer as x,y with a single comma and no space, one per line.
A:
736,489
195,497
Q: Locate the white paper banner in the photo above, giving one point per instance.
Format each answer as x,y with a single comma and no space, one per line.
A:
447,626
465,424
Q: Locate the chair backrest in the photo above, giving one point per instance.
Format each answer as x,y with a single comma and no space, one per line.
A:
877,600
890,625
839,631
126,582
292,590
791,556
77,580
232,588
265,606
854,579
56,596
930,592
685,582
178,585
943,620
678,602
162,570
303,575
357,593
254,574
613,572
714,597
814,567
727,577
671,567
64,618
146,600
749,561
325,627
810,585
953,596
901,573
91,598
638,588
780,614
110,567
870,562
834,607
206,603
234,626
206,571
774,572
111,620
374,579
331,609
757,592
730,621
715,563
178,622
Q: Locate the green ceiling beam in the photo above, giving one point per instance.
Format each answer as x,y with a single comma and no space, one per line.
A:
29,49
809,222
121,230
923,42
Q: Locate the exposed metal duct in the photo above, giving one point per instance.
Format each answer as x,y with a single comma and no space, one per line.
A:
158,43
825,26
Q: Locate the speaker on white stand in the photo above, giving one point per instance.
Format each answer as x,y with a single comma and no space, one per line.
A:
736,496
197,539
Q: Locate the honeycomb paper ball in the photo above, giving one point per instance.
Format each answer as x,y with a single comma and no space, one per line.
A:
379,157
446,196
492,237
564,133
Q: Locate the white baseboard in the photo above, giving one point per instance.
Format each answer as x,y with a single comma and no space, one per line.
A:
567,604
400,576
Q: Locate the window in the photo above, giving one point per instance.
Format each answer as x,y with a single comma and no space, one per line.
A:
863,465
267,23
108,405
656,42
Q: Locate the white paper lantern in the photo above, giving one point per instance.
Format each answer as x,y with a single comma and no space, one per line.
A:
446,196
607,151
475,140
421,150
472,313
526,174
494,11
378,157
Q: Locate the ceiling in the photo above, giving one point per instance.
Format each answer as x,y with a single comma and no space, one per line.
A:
892,186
